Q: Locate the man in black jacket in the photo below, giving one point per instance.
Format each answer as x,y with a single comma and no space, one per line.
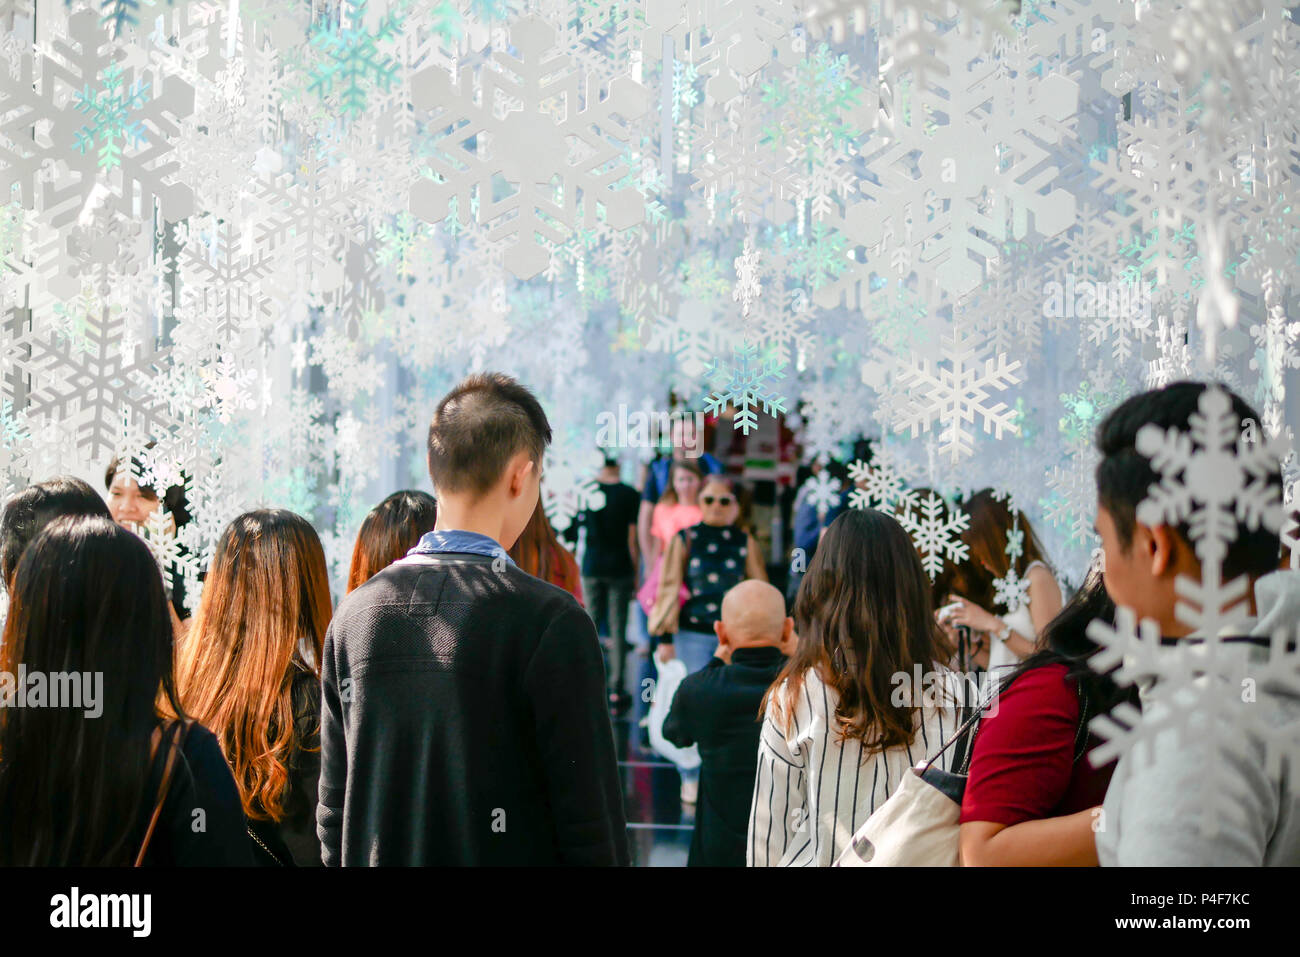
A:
464,718
718,709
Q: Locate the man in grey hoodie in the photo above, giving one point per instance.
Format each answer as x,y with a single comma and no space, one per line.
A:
1215,787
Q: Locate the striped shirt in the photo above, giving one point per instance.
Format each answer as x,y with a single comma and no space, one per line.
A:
813,791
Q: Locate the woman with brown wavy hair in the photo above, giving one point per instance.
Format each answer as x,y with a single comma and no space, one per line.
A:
249,670
864,697
389,531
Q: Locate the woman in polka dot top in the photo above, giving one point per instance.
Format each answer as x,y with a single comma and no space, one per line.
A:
711,558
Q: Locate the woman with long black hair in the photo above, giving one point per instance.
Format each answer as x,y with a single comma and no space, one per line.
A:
111,782
1032,798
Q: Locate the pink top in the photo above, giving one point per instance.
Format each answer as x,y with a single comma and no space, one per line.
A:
667,520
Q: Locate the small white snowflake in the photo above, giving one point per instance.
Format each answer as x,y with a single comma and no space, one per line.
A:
745,384
823,492
878,485
748,284
935,536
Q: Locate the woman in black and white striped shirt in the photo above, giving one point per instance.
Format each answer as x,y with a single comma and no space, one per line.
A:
844,721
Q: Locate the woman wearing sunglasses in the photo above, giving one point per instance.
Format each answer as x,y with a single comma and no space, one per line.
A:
711,558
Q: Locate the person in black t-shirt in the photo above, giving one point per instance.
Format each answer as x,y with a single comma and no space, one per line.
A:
717,708
609,570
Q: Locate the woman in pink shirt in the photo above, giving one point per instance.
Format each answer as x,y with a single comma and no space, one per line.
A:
676,509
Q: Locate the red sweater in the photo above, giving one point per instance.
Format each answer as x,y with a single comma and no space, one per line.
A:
1023,766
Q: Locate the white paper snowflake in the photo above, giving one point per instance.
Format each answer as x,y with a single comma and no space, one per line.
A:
823,492
935,536
746,384
954,391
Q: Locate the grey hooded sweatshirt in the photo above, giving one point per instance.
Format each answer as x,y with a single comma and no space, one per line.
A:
1219,796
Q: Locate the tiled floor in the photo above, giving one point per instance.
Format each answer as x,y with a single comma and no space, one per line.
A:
659,826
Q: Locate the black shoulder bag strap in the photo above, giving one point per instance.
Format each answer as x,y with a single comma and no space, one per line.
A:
966,735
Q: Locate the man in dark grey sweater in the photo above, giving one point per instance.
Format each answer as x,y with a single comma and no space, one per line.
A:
464,718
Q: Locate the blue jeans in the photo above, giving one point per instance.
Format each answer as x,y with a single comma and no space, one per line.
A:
695,648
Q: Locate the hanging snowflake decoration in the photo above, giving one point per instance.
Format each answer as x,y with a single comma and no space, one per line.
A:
879,486
540,123
748,285
1212,476
955,395
1011,590
349,60
109,109
823,492
936,536
746,384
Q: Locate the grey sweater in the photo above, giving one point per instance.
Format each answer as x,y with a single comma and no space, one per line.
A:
1219,796
464,721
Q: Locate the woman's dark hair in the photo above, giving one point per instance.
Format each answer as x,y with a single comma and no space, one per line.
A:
863,615
991,524
389,531
1065,640
87,598
28,512
173,499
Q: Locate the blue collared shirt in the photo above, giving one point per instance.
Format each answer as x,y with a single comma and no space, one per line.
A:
455,540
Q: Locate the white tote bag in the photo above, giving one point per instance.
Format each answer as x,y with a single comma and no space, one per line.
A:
670,676
917,826
920,823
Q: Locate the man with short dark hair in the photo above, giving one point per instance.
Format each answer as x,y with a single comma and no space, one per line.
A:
1157,801
463,709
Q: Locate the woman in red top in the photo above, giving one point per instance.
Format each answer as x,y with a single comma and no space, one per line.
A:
1032,798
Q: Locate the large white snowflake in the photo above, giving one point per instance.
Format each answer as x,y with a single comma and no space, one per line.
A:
533,121
1203,695
954,391
1212,476
823,492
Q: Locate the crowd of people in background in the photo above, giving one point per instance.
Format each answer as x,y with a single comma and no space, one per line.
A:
456,706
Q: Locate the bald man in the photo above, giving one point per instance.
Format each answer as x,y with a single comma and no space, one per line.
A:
718,708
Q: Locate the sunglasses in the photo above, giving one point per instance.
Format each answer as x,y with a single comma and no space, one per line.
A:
710,500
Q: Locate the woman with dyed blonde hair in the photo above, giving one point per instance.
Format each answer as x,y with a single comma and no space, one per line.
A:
250,667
